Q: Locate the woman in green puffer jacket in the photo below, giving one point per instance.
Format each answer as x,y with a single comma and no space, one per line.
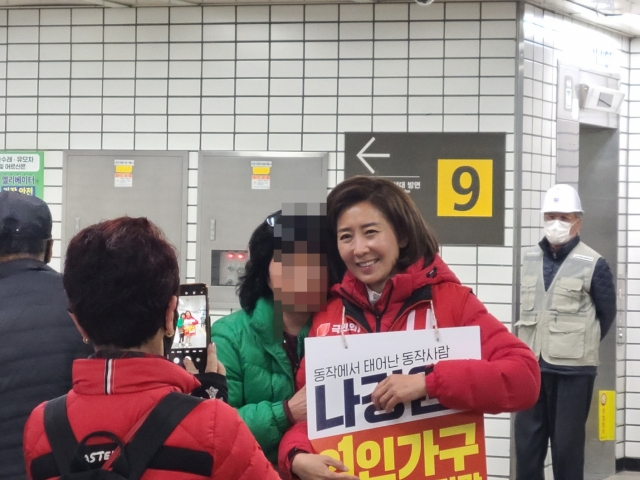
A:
261,345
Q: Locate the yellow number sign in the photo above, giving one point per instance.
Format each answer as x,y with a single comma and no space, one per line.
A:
465,188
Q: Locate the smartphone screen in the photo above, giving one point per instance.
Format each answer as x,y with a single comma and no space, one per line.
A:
193,331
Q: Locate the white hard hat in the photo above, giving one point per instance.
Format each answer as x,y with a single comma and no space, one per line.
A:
561,198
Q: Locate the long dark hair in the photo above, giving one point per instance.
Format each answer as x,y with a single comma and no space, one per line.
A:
254,284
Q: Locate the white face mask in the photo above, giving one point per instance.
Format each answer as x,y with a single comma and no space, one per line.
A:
557,231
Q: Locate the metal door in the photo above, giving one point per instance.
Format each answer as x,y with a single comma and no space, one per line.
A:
232,202
99,185
598,188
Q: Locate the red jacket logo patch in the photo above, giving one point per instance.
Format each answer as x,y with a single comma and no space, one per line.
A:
323,329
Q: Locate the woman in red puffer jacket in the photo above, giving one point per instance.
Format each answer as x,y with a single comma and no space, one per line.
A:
121,277
393,279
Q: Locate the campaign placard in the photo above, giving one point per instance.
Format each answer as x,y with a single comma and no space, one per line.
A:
419,439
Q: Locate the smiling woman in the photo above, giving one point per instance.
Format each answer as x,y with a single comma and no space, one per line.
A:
368,245
364,201
387,271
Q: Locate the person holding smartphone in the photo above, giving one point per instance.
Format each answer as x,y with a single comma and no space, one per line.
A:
261,345
200,359
129,313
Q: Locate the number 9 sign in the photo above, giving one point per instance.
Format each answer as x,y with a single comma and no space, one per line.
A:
465,188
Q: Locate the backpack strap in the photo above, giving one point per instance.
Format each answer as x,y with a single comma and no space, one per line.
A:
59,433
155,430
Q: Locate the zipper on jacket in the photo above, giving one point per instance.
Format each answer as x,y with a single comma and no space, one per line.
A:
352,319
351,311
417,298
378,315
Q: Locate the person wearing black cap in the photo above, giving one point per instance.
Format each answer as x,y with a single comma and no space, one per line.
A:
39,339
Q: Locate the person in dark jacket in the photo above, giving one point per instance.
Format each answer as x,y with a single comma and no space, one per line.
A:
568,304
121,277
261,345
39,340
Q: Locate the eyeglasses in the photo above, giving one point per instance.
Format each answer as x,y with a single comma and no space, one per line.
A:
273,218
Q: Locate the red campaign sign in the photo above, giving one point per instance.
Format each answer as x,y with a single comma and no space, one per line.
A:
448,447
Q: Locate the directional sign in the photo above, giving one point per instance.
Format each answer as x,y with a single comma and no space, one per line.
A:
456,179
362,155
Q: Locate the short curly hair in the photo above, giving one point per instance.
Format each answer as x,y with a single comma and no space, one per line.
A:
120,276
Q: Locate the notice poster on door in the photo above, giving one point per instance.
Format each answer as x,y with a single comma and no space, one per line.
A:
417,440
123,176
261,174
22,172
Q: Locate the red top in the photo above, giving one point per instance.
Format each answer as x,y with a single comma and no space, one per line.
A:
505,379
114,394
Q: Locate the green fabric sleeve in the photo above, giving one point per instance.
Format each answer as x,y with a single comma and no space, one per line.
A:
222,335
266,420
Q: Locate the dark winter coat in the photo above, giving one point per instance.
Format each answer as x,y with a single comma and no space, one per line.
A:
39,344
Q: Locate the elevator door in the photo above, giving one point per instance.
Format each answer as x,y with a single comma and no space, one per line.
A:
598,189
100,185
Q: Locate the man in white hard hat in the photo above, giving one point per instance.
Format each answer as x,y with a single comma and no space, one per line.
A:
568,303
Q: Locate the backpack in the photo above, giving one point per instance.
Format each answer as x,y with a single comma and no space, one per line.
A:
129,461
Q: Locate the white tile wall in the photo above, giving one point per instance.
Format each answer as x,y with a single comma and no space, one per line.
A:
296,78
630,171
282,78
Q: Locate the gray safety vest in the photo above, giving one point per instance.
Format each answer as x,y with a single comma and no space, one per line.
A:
560,324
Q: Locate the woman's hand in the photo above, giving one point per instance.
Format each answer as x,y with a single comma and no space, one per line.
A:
213,364
298,405
397,389
309,466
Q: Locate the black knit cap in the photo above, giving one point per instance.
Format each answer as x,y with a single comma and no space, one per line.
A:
24,216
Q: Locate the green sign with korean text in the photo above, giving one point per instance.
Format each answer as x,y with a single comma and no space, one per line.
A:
22,172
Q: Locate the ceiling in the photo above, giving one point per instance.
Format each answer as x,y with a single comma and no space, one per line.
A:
618,15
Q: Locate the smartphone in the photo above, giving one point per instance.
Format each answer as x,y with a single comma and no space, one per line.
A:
193,331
